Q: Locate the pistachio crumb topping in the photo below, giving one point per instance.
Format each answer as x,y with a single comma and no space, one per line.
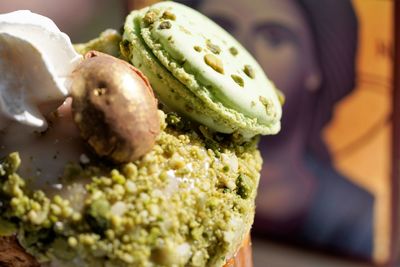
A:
197,48
188,202
233,50
214,62
165,25
268,105
238,79
168,15
150,17
108,42
281,96
249,71
213,47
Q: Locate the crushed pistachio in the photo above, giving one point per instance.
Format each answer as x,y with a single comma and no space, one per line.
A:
233,50
7,228
97,215
249,71
214,62
168,15
244,185
281,96
72,242
150,17
171,207
9,164
213,47
124,48
238,79
268,105
177,122
197,48
165,25
108,42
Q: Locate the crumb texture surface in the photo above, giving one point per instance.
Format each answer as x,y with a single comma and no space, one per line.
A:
188,202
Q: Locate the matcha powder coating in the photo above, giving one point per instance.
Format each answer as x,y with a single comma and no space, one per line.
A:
188,202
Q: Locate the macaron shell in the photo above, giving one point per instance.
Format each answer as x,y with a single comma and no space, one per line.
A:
172,92
183,44
179,86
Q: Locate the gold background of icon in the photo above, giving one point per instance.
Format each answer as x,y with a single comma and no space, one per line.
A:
360,133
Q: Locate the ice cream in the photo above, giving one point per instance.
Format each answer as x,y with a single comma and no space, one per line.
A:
146,185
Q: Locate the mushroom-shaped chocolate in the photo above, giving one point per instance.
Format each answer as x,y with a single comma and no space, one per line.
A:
114,107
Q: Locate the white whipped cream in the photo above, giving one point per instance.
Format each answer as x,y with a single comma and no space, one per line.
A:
36,59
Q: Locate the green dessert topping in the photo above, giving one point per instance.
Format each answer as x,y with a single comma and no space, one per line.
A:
268,104
281,96
164,25
7,228
213,47
249,71
233,50
108,42
244,185
150,17
182,204
197,48
168,15
214,62
238,80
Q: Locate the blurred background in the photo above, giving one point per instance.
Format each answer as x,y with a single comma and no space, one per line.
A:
325,196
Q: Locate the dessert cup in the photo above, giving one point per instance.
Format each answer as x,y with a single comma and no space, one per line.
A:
122,175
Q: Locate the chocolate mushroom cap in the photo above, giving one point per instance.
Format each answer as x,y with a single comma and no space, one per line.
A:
114,107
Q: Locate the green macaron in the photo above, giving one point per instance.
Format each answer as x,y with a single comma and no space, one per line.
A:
199,70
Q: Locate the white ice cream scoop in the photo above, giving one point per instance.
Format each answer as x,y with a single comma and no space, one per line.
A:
36,59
